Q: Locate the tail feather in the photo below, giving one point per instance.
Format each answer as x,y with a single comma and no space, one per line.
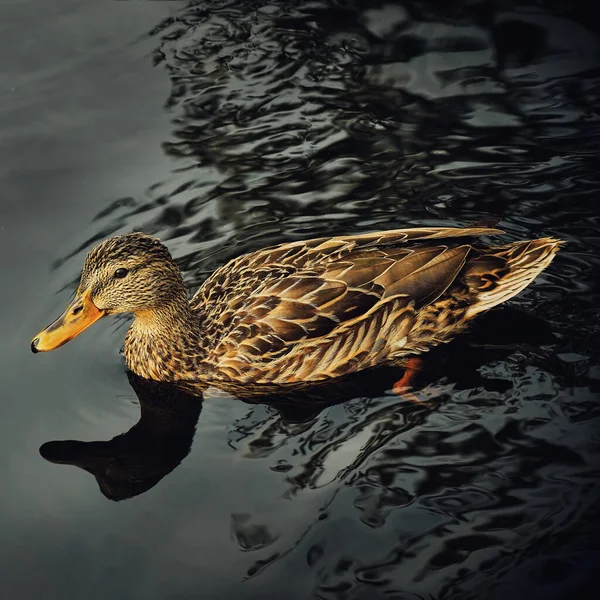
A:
494,278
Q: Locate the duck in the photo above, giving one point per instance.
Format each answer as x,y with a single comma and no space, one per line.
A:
300,312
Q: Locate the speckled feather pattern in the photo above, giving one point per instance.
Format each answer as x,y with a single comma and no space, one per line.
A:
313,310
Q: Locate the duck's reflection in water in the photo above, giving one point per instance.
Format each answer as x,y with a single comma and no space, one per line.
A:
134,462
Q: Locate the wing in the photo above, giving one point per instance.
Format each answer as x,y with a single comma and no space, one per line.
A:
258,306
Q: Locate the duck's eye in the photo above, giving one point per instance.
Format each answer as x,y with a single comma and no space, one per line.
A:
120,273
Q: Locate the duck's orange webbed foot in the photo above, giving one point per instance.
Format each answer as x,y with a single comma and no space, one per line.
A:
412,366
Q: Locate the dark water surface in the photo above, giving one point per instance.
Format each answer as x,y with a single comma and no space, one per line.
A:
226,126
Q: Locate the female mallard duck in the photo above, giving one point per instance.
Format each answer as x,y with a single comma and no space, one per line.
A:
298,312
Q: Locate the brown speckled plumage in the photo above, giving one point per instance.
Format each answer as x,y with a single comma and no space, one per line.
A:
307,311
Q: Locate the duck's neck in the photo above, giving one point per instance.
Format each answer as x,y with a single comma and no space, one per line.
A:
164,343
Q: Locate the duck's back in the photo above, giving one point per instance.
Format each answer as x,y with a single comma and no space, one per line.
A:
310,310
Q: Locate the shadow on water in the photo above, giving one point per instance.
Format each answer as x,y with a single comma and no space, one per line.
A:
135,461
292,120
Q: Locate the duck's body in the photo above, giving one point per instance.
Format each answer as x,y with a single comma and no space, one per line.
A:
304,311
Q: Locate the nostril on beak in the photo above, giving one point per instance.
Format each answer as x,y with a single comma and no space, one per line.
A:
34,344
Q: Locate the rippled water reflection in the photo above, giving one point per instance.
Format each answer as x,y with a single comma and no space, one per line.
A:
297,119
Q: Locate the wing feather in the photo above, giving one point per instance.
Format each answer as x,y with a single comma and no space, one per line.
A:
300,292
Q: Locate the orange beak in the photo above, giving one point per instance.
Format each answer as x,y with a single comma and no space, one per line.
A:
79,315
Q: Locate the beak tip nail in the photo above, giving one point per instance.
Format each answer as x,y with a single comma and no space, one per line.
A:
34,344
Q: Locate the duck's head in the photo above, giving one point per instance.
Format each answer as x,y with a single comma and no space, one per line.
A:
131,273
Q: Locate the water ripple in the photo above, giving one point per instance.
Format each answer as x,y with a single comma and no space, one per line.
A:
292,120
